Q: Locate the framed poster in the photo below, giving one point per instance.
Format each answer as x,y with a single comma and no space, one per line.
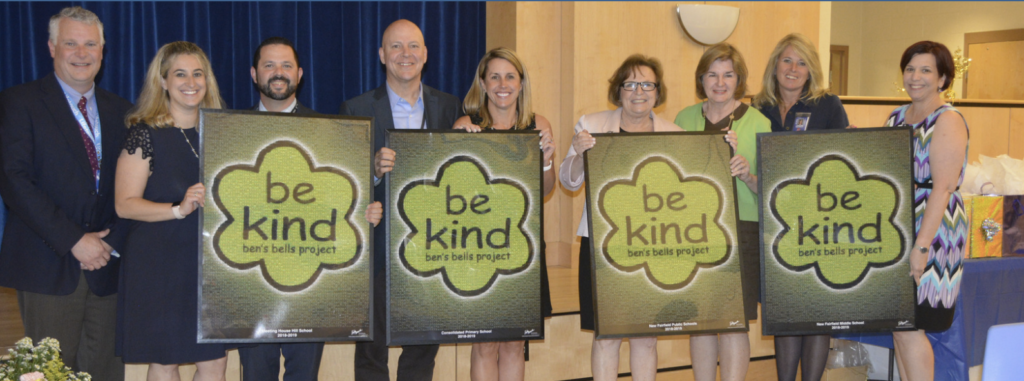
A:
286,251
465,237
837,228
664,248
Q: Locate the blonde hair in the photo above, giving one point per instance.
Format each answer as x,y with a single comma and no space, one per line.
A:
814,89
152,106
476,99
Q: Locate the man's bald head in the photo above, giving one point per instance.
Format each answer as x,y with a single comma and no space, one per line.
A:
403,52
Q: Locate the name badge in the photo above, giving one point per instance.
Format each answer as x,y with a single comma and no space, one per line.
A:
802,119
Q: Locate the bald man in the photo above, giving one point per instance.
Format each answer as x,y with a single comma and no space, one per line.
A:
403,102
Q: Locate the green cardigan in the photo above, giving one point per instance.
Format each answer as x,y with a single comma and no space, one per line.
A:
747,127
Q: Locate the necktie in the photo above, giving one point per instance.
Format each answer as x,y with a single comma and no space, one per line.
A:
90,148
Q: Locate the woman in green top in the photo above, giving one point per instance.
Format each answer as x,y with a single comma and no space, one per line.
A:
722,80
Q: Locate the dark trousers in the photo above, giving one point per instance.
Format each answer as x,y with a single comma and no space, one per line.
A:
371,359
82,322
263,362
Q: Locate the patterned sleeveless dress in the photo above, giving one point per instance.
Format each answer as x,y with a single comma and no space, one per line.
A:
940,284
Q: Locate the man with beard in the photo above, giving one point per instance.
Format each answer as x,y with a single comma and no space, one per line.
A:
276,74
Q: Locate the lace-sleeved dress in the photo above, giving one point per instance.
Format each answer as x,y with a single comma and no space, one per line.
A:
940,284
158,288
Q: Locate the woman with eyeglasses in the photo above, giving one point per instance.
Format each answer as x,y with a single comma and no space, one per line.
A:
636,87
722,80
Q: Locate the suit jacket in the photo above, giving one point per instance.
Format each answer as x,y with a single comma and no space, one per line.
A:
441,110
299,109
47,183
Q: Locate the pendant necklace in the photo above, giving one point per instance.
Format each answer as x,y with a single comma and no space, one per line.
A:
189,142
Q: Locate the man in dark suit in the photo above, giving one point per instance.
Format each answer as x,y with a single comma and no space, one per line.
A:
403,102
276,74
60,137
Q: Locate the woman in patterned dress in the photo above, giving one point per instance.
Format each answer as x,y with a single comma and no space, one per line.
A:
940,156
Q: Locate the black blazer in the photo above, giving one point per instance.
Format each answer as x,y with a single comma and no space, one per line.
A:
299,109
441,110
47,183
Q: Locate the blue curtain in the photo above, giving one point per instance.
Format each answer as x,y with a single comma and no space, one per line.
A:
337,43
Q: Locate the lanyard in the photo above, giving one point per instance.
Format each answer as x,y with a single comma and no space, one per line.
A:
95,133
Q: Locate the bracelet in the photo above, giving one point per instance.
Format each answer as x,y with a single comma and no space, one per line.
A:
177,213
550,164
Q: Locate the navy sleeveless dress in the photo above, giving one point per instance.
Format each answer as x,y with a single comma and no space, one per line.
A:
157,296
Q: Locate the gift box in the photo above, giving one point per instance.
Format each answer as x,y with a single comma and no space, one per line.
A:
996,226
985,218
1013,226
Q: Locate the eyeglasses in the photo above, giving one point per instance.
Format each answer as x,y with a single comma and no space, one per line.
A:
646,86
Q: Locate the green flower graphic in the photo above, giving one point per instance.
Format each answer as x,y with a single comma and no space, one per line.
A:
838,222
664,222
466,226
286,216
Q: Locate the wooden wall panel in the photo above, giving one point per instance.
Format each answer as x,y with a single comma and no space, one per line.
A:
993,73
990,131
539,32
993,129
564,246
762,25
1016,140
501,24
868,115
607,33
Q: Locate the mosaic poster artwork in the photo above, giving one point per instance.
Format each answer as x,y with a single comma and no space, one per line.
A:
465,237
661,208
837,230
286,250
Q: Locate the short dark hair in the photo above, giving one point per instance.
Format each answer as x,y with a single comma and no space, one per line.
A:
274,41
943,60
632,64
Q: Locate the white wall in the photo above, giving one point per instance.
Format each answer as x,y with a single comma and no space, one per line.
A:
879,32
847,23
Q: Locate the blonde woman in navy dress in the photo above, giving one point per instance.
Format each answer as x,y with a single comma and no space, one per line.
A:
499,99
157,185
940,157
795,97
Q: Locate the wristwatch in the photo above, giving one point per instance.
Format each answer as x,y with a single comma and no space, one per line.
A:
922,249
176,209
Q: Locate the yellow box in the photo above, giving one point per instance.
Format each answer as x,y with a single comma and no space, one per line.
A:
980,209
